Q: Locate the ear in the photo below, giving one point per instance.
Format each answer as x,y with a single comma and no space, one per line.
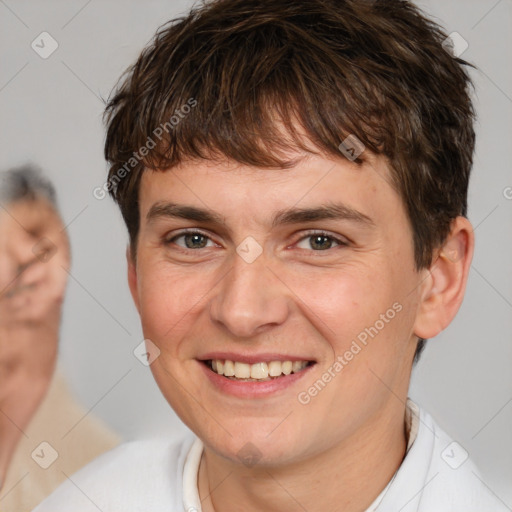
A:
443,288
132,277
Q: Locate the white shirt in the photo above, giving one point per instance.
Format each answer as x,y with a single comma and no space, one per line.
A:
161,476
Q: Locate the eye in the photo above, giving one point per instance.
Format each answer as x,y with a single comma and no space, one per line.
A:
192,240
320,241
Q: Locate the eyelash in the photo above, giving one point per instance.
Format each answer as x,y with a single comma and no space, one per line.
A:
309,234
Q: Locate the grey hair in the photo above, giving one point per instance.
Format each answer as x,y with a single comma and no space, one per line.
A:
26,183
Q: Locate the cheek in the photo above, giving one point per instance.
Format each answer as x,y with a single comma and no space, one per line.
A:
169,300
342,302
362,313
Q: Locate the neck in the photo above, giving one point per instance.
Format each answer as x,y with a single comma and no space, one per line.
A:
339,475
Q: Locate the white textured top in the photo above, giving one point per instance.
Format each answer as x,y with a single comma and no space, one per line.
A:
161,476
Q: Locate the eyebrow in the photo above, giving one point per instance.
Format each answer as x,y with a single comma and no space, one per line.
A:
334,211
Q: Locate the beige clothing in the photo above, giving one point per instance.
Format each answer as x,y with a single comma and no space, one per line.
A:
73,438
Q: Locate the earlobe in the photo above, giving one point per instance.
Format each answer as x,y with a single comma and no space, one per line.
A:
442,290
132,277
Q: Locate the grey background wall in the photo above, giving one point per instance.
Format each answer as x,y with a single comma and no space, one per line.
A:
51,115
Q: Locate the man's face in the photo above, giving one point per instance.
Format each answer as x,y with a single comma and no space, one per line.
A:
262,286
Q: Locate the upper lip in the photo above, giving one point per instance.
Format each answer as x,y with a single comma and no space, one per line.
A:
253,358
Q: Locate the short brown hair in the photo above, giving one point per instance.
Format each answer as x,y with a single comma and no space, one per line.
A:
379,70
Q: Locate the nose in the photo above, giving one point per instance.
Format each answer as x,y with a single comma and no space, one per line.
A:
251,299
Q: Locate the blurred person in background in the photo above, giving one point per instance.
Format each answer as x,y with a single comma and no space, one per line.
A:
44,434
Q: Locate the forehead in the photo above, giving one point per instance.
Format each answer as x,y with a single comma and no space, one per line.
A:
240,192
24,213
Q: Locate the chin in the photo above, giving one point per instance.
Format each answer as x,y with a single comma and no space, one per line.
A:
256,444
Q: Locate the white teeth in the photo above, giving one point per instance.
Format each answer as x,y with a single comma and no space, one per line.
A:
274,368
256,371
259,371
229,368
242,370
297,366
286,367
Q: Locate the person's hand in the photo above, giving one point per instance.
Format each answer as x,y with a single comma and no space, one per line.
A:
34,259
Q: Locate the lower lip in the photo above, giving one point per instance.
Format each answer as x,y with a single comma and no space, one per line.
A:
253,389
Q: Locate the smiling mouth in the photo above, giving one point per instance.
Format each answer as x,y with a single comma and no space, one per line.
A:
257,372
